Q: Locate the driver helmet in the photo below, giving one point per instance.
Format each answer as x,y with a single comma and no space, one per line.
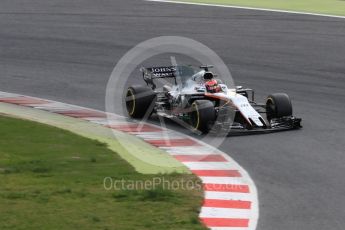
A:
208,76
211,84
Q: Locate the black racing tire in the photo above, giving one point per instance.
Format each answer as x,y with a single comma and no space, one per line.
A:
278,105
139,100
203,115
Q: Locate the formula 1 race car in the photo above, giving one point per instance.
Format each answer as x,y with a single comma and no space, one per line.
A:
199,100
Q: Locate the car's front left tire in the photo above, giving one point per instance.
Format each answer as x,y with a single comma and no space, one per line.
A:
203,115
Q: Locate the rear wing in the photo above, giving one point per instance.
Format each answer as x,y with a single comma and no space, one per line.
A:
151,73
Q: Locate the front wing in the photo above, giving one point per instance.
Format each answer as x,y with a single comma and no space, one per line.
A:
276,125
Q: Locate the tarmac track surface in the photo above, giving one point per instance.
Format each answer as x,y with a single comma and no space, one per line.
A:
66,50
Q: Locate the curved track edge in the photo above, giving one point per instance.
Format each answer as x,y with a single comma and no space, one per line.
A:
230,198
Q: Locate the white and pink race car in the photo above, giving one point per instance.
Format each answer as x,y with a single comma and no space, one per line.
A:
201,102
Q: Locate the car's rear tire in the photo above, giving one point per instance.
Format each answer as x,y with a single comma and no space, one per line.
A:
278,105
203,115
140,101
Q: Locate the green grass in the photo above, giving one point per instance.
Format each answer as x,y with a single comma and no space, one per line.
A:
142,156
333,7
53,179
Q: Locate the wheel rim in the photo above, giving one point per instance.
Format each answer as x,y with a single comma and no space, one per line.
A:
195,119
130,102
270,108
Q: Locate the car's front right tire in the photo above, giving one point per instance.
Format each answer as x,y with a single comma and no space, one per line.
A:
278,105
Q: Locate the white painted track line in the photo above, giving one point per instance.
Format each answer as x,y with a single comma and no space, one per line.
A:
190,150
222,180
209,165
228,196
207,212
